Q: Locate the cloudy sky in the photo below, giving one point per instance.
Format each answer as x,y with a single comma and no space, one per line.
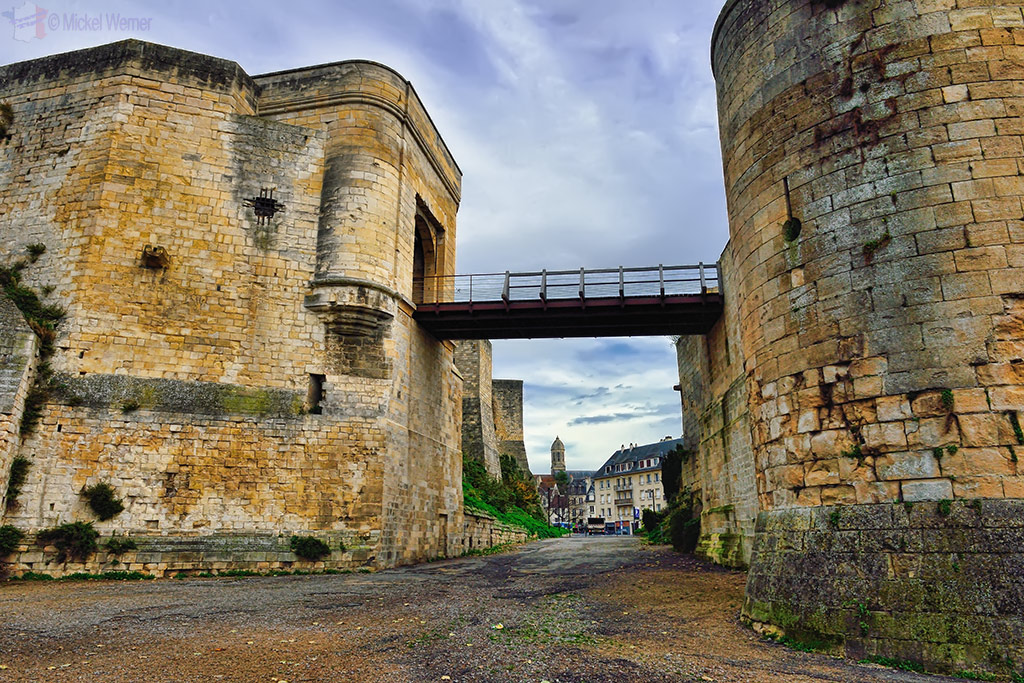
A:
586,132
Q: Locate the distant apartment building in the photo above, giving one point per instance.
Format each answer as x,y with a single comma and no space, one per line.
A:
630,482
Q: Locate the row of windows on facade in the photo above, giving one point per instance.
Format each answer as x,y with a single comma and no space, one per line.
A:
637,465
609,512
626,481
644,495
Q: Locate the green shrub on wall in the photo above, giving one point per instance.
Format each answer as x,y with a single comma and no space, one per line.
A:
677,525
10,537
103,500
74,541
6,118
309,548
672,470
119,545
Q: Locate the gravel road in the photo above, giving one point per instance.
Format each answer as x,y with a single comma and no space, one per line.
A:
572,609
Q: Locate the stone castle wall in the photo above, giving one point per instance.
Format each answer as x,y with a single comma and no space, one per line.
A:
716,429
899,138
479,441
492,410
483,531
191,388
880,342
507,397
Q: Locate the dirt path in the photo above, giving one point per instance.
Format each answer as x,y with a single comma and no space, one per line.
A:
594,609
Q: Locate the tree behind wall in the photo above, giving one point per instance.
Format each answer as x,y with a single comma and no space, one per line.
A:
672,471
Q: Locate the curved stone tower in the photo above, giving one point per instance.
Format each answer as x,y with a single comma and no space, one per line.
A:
872,152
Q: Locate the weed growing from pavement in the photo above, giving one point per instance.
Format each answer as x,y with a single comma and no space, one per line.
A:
555,620
894,663
809,645
493,550
246,573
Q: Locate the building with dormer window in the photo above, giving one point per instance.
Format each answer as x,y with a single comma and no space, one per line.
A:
630,482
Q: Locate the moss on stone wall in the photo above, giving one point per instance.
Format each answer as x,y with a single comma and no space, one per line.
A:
129,394
726,549
904,582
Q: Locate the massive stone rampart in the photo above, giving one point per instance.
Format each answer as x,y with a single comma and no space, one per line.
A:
507,397
479,440
232,374
874,320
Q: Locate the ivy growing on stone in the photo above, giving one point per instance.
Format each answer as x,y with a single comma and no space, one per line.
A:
871,246
43,319
6,118
948,401
791,229
16,479
1018,433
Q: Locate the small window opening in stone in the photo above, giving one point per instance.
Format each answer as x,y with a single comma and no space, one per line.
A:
316,393
81,354
58,426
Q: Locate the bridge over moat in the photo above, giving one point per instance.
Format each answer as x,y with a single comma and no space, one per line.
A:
607,302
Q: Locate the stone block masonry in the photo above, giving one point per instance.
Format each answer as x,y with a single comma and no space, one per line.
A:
507,398
479,440
865,372
483,531
717,429
492,410
936,582
264,377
